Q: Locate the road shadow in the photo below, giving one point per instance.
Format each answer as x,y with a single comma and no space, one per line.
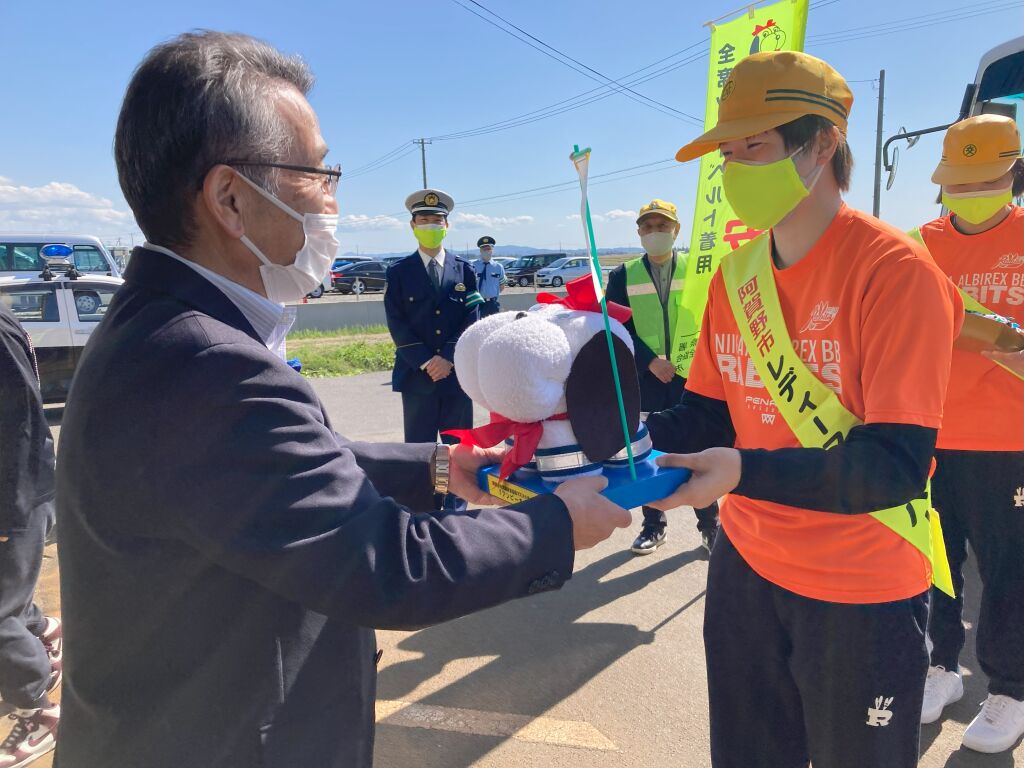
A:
544,653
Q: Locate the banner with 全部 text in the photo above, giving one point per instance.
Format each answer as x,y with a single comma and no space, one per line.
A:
716,231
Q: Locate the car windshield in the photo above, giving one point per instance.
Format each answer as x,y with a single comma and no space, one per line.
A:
558,264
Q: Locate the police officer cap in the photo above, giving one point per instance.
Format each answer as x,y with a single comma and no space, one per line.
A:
485,240
430,201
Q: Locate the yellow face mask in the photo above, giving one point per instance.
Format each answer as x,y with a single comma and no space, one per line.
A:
977,207
430,235
763,194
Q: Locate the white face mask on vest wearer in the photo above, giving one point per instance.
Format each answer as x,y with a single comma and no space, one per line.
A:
658,245
291,282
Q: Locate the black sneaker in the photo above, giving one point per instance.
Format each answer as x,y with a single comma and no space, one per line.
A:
649,540
707,539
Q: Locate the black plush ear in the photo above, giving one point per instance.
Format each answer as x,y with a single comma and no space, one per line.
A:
590,397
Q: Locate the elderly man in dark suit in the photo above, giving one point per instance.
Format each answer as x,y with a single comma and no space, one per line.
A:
224,553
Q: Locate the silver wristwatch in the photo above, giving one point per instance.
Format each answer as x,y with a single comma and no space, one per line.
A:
442,468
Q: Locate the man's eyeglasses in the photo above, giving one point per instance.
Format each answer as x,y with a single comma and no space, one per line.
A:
330,175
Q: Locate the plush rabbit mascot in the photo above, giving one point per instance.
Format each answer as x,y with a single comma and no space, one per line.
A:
546,378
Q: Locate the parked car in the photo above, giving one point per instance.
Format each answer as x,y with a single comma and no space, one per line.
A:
523,269
505,261
360,277
21,255
59,314
390,261
325,285
562,271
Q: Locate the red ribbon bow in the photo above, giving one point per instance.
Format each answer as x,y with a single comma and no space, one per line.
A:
525,436
758,29
582,296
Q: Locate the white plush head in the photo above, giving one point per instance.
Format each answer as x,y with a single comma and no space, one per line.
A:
520,364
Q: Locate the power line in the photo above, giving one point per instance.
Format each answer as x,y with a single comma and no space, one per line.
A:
575,102
379,160
921,17
907,25
564,59
348,176
594,94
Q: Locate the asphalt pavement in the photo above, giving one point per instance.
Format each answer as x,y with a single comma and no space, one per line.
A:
608,671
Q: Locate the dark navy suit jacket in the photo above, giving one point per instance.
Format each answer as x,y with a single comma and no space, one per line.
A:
425,322
224,553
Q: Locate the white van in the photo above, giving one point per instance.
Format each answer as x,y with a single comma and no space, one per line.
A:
562,271
20,255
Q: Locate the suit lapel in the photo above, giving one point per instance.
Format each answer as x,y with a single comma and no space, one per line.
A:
451,276
160,273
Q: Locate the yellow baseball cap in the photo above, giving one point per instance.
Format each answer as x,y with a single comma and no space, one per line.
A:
660,207
977,149
766,90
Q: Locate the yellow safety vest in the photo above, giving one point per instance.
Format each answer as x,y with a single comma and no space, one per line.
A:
971,304
811,410
649,314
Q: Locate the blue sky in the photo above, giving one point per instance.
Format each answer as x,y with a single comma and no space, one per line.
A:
391,72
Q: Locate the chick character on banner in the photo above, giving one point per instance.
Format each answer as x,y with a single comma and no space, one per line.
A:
717,230
561,385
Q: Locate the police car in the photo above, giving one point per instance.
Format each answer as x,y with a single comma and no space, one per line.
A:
59,309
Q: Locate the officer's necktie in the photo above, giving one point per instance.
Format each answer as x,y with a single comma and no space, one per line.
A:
435,274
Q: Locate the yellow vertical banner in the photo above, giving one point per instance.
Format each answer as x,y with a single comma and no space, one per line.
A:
780,26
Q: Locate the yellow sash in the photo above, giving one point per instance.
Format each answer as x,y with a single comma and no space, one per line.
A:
811,410
971,304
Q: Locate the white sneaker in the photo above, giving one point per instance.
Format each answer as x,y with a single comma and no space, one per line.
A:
997,727
33,735
940,689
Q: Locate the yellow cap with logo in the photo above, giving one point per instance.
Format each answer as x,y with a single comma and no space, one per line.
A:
978,149
660,207
766,90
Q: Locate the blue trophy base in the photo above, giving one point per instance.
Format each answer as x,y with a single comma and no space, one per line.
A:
652,483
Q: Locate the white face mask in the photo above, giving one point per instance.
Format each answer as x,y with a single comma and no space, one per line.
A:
291,282
485,255
658,243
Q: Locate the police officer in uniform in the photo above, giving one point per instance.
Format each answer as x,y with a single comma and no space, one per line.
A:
431,298
652,287
490,277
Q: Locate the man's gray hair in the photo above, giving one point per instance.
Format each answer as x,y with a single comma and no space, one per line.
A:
195,101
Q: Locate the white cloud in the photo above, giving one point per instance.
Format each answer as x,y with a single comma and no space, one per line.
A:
60,207
360,222
613,215
480,220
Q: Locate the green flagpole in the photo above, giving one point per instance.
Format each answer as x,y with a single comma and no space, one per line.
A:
596,266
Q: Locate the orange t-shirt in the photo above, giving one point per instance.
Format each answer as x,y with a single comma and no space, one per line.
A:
871,315
985,404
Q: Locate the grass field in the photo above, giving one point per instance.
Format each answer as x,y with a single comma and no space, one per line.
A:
342,352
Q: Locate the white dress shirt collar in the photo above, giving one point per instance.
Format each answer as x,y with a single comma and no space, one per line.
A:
426,260
271,321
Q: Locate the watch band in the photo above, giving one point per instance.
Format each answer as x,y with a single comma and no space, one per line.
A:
442,468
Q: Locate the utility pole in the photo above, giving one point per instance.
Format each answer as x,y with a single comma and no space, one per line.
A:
877,203
423,156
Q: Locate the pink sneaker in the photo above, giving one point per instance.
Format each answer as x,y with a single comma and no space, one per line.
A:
33,735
